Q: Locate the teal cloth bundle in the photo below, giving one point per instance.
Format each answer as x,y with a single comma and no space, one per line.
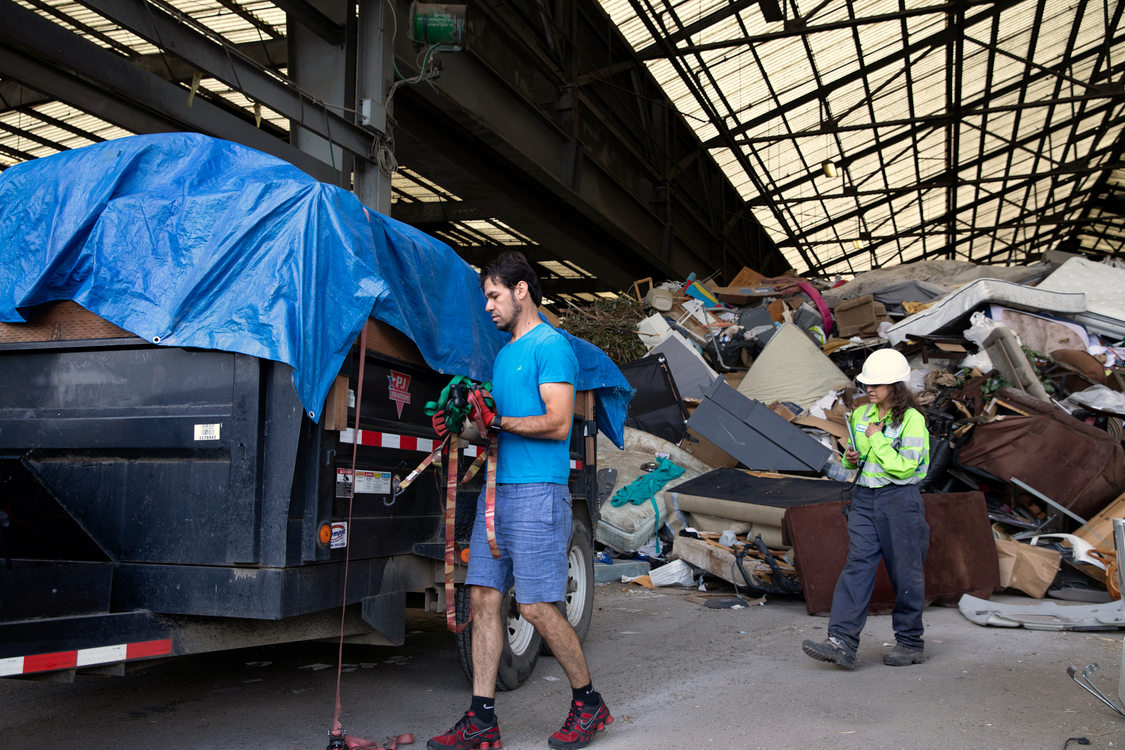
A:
645,488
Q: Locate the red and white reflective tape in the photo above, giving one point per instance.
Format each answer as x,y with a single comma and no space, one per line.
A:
377,439
83,657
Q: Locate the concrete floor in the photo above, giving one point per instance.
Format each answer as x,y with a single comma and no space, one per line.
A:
676,675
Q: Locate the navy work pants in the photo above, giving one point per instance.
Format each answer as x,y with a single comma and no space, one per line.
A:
888,523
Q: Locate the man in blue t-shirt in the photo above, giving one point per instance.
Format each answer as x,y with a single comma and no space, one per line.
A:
533,387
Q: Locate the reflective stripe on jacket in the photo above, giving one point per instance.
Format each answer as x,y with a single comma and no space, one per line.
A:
898,455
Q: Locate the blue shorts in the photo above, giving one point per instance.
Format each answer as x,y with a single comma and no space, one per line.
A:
533,535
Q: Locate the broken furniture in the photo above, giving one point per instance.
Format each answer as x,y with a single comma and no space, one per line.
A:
750,432
690,371
1042,333
657,407
1007,357
1078,466
962,557
757,499
628,528
751,564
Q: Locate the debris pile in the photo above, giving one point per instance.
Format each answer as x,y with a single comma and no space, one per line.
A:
745,388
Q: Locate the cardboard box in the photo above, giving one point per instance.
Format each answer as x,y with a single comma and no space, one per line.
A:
777,311
1098,531
1029,569
784,411
837,430
706,451
859,316
734,378
747,277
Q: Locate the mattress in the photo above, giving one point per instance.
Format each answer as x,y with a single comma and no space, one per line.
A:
1104,287
792,368
956,305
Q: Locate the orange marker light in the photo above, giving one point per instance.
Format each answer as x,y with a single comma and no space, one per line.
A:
465,555
325,533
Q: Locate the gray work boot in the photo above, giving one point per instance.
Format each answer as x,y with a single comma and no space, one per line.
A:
901,656
831,650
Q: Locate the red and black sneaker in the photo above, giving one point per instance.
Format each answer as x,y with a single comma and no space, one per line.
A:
580,726
470,733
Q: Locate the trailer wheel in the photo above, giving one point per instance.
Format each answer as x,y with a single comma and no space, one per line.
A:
578,607
521,644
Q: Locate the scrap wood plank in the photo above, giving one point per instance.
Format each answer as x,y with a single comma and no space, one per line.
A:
1011,407
636,290
709,537
715,560
963,409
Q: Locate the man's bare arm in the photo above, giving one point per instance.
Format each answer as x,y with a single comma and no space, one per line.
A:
554,423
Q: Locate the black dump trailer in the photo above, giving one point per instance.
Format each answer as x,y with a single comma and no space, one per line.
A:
161,501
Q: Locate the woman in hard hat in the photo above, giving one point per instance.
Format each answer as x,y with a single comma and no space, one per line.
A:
890,445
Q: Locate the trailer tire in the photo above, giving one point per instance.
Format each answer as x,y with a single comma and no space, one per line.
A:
522,642
578,607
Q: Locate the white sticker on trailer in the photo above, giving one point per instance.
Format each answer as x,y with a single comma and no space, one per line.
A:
366,482
10,666
207,431
339,535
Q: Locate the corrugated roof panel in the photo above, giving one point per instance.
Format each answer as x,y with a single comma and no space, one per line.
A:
880,161
630,26
848,103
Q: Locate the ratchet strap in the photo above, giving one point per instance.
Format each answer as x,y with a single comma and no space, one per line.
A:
455,415
337,738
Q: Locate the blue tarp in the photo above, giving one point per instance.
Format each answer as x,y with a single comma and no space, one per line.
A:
186,240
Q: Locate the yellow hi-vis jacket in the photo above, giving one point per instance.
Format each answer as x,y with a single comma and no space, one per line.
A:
900,454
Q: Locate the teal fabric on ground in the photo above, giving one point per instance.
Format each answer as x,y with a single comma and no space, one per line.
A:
645,488
647,485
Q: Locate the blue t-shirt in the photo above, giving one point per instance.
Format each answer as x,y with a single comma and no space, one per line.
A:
542,355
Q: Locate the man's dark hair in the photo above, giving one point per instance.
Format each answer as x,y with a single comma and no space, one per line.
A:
510,269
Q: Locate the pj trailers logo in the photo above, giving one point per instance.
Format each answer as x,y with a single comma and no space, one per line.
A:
398,389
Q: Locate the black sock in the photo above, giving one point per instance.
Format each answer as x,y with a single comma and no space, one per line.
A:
586,695
484,708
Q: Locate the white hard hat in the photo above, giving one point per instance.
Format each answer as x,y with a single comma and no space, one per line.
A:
884,367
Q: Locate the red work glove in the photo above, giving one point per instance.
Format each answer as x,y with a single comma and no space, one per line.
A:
440,427
480,412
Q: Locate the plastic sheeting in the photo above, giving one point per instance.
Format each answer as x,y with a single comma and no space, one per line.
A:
191,241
